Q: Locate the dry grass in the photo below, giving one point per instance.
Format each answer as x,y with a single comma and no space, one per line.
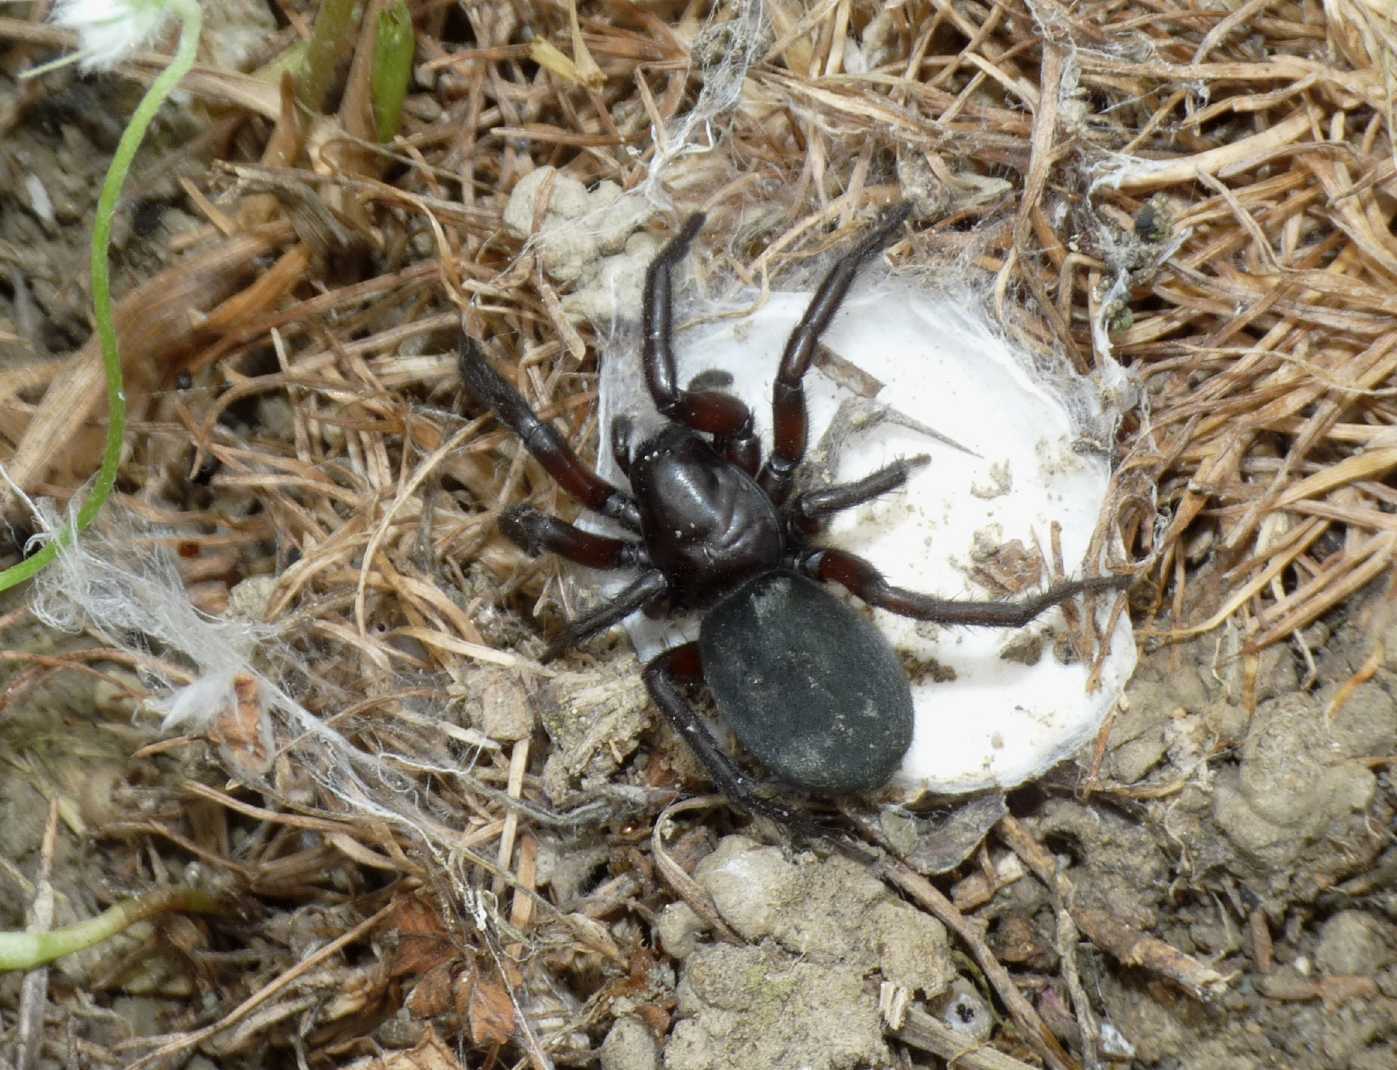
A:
1204,195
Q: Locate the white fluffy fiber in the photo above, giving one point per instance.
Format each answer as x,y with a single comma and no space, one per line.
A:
110,30
119,581
122,583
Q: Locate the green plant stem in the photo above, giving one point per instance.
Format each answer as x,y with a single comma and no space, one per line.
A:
331,38
26,951
192,19
392,67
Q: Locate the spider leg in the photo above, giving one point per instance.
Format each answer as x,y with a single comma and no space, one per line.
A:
746,454
541,439
646,588
862,579
622,430
789,422
809,509
537,533
714,412
663,676
745,450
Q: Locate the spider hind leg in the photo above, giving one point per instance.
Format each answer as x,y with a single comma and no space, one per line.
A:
664,676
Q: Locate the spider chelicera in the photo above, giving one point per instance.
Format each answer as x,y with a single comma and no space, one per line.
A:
810,687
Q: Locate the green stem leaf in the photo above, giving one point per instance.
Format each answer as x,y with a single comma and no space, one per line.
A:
26,951
392,67
331,40
191,18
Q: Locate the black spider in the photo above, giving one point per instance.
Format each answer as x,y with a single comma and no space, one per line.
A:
811,688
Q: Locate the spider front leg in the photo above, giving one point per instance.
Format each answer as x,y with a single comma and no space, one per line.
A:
538,533
862,579
622,430
790,425
643,591
663,677
714,412
809,509
542,440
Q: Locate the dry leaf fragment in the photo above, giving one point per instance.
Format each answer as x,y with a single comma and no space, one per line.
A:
423,942
490,1011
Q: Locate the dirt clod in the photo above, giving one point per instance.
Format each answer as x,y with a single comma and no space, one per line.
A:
595,720
1353,943
825,910
630,1046
762,1006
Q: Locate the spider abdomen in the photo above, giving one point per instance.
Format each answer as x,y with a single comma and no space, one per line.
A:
811,688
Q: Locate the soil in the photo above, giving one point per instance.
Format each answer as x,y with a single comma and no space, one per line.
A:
51,168
1238,819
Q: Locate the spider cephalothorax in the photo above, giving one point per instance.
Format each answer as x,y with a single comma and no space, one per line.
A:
810,687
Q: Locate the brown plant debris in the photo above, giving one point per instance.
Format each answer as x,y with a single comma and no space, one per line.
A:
1192,202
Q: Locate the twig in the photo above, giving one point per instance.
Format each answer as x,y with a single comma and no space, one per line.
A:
266,992
921,1030
673,873
1109,933
1030,1025
33,996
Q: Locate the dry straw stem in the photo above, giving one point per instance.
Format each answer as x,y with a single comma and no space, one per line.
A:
1031,1026
921,1030
1267,355
1203,194
1129,946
